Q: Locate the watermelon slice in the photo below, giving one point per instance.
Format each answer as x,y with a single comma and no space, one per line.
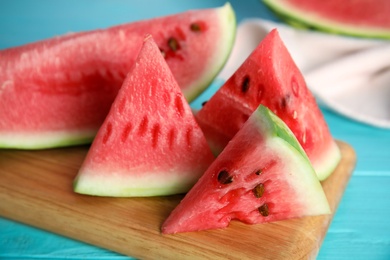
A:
262,175
150,143
270,77
57,92
362,18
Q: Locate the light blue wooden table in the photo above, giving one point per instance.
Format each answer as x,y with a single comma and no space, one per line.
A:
361,226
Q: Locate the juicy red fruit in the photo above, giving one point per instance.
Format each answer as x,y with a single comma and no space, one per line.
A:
270,77
57,92
149,143
262,175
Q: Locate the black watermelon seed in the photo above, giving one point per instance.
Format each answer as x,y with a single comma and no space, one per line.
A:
173,44
224,177
259,190
245,84
195,27
263,209
284,102
258,172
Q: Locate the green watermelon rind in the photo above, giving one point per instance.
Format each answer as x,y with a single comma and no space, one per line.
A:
334,154
304,20
31,141
280,130
229,27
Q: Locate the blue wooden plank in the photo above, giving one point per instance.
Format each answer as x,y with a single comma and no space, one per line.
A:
19,241
361,227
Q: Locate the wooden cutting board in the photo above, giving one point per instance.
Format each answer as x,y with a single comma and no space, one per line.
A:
36,189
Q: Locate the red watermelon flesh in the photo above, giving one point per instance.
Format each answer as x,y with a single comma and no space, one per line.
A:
150,143
262,175
270,77
57,92
364,18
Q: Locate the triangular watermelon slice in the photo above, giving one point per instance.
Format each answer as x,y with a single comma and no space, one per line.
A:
270,77
362,18
150,143
57,92
262,175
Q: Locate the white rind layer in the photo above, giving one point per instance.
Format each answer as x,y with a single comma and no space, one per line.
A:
43,140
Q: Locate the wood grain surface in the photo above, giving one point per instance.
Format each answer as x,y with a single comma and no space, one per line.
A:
36,189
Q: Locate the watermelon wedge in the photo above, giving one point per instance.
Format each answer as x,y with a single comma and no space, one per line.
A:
57,92
149,143
362,18
262,175
270,77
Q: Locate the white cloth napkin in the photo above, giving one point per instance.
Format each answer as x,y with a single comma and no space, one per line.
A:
349,75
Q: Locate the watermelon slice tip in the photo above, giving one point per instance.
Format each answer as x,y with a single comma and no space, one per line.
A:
149,144
269,76
262,175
